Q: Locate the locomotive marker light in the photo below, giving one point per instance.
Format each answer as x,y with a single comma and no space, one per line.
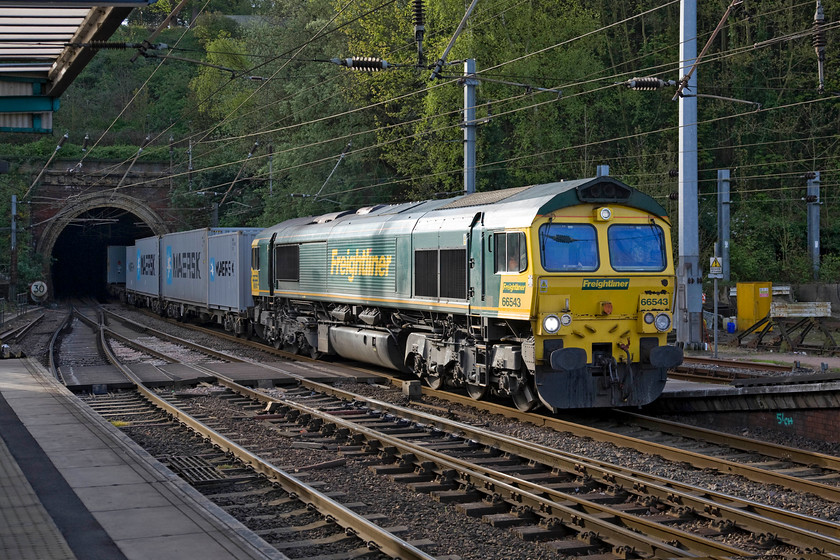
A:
604,214
552,323
566,320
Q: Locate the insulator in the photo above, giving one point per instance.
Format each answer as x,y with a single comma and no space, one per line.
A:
107,45
419,13
819,37
673,173
819,33
674,196
367,64
646,84
811,198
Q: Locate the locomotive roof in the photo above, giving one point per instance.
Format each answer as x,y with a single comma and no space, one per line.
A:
519,203
553,196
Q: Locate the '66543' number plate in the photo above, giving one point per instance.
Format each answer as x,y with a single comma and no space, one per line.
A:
654,302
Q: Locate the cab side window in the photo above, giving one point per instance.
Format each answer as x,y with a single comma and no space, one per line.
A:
511,253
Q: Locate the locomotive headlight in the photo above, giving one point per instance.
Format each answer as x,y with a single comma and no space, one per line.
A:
565,319
648,318
551,324
662,322
604,214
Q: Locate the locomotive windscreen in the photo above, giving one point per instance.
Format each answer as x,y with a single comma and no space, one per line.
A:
637,248
568,247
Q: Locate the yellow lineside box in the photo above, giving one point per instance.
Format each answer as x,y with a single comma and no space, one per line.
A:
754,299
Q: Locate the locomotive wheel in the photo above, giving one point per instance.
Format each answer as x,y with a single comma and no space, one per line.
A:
476,392
522,401
524,393
434,381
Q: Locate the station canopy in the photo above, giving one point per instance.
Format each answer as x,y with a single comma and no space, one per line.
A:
37,62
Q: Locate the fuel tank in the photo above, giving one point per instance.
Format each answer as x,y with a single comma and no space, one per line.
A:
366,345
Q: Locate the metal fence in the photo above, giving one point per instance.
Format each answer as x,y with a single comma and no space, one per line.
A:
11,309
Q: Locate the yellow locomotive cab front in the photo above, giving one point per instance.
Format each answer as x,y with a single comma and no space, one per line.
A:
604,285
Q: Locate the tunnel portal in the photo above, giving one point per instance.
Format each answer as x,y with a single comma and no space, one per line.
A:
73,243
80,253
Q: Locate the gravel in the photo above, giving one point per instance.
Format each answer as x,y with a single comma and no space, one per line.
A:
432,520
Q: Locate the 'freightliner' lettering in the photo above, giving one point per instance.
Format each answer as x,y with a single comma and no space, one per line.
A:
362,263
606,283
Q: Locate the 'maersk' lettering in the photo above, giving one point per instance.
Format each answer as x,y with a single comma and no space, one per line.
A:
185,265
147,265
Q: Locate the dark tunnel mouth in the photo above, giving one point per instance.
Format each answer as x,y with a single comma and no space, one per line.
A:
79,256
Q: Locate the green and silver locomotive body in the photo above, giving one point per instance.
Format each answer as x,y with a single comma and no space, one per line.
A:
558,294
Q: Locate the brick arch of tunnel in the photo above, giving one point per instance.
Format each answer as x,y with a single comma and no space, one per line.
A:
73,245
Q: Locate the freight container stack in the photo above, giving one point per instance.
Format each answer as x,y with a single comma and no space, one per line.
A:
202,273
116,264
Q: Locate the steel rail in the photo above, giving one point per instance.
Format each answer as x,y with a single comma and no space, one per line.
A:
712,504
125,340
19,332
375,537
698,460
53,340
736,364
217,333
731,440
160,334
521,492
758,517
745,512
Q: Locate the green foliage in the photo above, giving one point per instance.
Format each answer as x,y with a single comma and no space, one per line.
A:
830,269
400,132
131,100
29,264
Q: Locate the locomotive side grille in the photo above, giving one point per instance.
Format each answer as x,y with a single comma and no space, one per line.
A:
425,273
313,261
453,273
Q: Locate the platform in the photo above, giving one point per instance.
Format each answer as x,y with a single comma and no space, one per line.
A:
74,487
798,392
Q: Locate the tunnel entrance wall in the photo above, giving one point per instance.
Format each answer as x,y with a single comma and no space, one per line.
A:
46,242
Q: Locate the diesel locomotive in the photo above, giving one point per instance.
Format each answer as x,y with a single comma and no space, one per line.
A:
558,294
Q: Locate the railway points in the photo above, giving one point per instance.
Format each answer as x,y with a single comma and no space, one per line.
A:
95,492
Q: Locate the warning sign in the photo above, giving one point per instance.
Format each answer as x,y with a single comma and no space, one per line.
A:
715,268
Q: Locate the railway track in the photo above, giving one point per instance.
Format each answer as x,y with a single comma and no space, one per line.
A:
574,504
717,370
755,460
14,334
11,337
364,539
